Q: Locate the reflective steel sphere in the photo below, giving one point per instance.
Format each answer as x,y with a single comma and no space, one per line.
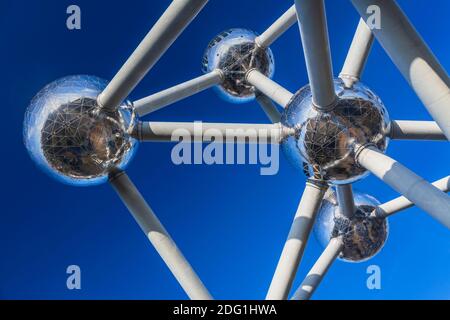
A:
363,236
74,140
235,52
324,143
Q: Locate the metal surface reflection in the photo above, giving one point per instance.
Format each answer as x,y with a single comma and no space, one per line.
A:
326,141
363,236
72,138
235,52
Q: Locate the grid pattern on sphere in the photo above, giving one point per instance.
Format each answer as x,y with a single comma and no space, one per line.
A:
76,143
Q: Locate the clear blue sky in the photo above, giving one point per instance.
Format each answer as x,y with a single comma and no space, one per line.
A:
229,221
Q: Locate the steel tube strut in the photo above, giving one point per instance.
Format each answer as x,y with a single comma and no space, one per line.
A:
318,271
280,26
268,107
401,203
200,131
414,188
159,237
416,130
344,194
314,35
269,87
357,55
296,242
165,31
413,58
171,95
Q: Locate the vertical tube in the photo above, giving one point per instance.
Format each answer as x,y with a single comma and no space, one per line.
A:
357,54
345,199
314,34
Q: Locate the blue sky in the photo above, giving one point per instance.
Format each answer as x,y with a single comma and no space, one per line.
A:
230,221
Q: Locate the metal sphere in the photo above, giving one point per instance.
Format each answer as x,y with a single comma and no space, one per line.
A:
74,140
363,235
235,52
323,143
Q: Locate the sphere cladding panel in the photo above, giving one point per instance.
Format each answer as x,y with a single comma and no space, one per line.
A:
363,235
74,140
324,143
235,52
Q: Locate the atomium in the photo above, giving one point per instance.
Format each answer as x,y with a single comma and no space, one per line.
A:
326,141
235,52
72,138
363,234
83,131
